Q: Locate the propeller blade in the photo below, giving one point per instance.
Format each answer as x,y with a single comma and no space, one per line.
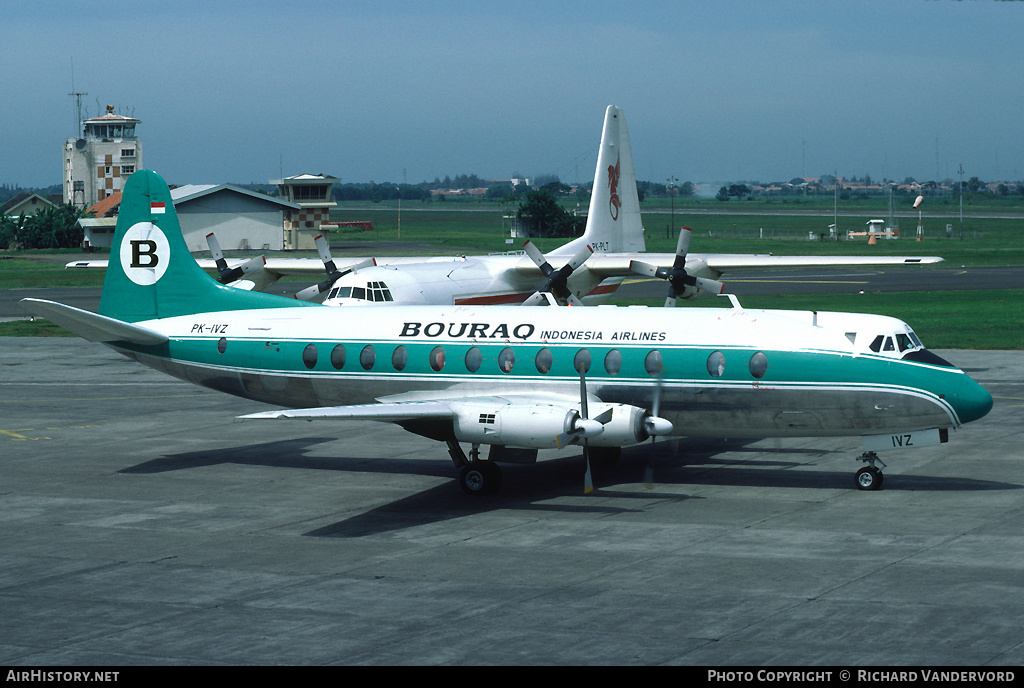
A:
683,245
538,298
641,268
218,255
709,285
588,481
323,247
537,257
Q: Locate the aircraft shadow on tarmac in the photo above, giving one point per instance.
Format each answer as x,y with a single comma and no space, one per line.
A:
545,486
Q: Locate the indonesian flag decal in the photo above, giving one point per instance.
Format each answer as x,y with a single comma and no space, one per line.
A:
157,208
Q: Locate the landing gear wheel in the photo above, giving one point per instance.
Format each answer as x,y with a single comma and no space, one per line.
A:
869,478
480,478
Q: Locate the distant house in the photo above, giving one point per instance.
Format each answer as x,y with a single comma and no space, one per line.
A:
26,204
98,221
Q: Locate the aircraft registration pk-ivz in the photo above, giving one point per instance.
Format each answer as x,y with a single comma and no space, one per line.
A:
586,270
519,379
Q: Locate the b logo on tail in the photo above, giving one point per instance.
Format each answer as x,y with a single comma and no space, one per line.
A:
144,253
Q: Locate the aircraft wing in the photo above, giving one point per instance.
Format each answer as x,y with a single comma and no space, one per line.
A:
394,412
279,266
617,264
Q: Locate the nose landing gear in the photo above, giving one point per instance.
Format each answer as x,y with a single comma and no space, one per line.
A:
869,477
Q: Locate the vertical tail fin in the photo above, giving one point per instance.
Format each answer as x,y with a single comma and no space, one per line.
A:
151,273
613,222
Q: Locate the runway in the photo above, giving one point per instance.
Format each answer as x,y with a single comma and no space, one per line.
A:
141,525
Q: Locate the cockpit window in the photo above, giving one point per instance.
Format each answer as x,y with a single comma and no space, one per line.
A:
876,344
888,345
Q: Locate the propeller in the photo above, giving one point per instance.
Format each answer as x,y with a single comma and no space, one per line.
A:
313,292
557,280
681,283
225,274
655,425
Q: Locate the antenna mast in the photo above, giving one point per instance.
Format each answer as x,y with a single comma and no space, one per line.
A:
78,100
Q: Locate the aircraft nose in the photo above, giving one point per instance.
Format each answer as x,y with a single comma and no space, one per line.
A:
972,401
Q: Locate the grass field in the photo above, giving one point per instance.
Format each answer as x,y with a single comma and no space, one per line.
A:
970,319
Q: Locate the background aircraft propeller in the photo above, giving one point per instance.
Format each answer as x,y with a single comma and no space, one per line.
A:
226,275
678,279
314,292
557,280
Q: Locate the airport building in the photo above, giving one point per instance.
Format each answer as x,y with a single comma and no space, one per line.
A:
97,164
311,193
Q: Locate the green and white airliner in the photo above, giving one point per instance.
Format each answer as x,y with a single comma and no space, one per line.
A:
517,378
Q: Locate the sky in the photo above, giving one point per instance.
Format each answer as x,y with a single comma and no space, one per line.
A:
406,91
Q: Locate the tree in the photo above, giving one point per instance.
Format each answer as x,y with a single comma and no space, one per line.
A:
541,216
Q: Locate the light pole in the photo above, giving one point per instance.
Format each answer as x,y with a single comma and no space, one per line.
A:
672,195
961,171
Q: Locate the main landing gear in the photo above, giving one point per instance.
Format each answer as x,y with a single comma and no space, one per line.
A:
476,476
870,477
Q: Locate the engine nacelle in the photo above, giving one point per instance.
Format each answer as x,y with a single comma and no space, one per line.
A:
547,426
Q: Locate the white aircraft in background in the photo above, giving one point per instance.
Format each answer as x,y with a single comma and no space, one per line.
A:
520,379
586,270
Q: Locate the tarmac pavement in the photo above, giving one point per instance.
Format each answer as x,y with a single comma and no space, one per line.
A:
141,525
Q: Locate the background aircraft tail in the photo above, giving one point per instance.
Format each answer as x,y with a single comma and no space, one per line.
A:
613,222
151,273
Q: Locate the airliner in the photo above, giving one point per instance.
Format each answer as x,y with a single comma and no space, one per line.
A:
517,379
587,270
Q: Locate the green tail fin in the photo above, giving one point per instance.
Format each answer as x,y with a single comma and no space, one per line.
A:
151,273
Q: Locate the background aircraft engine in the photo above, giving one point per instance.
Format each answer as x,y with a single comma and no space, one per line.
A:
544,426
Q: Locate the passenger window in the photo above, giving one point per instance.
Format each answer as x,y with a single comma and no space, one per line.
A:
437,358
367,357
338,357
544,361
400,357
222,345
613,362
506,359
473,359
653,363
581,361
716,364
309,356
758,365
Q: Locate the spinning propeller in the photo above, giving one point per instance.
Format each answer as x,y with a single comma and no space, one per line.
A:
313,292
226,275
557,280
681,283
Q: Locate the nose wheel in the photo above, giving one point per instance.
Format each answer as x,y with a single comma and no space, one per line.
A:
869,477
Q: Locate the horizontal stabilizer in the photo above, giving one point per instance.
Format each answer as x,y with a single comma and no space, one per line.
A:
90,326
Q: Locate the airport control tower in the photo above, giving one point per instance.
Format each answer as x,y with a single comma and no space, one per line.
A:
98,164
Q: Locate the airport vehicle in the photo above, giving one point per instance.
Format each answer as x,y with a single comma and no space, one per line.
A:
520,379
587,270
